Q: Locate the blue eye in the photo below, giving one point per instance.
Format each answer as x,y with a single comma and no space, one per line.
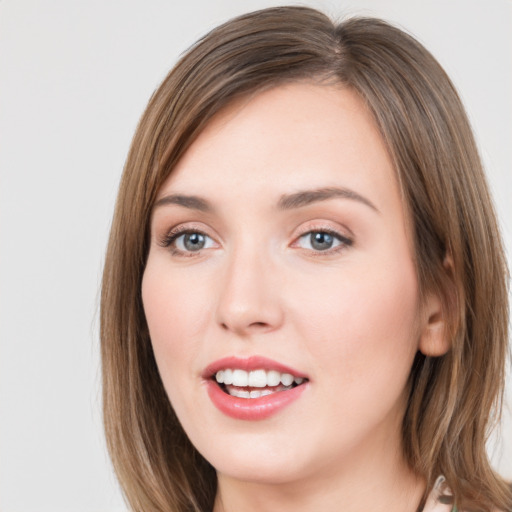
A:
189,241
322,241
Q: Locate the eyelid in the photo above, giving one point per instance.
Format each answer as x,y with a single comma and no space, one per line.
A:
345,236
346,239
171,235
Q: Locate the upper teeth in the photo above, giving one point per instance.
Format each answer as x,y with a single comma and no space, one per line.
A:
256,378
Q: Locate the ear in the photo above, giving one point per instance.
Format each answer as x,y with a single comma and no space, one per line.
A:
434,334
435,331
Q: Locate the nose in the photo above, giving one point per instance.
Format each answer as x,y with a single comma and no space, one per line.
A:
250,295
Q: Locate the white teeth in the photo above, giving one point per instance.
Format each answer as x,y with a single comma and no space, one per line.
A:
240,378
228,377
286,379
256,378
254,393
273,378
240,393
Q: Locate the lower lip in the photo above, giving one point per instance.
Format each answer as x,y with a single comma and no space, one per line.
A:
252,409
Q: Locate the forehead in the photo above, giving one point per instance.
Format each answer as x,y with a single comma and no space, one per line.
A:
292,137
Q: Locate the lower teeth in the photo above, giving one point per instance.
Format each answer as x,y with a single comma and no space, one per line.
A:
254,393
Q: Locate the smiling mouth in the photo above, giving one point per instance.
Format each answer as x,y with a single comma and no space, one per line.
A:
256,383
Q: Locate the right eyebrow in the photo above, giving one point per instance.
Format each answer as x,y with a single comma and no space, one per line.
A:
192,202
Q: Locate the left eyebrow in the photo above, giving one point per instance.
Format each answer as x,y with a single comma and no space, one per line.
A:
306,197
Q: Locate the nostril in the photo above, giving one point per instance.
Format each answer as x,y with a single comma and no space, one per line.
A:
258,324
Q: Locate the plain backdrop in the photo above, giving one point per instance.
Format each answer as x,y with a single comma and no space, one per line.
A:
74,78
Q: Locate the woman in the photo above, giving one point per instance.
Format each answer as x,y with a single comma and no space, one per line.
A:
304,301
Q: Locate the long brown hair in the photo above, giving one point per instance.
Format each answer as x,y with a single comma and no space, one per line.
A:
453,399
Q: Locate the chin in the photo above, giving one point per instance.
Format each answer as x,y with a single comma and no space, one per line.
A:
260,472
257,461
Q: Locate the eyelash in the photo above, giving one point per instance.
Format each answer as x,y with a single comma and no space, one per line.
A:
170,238
345,242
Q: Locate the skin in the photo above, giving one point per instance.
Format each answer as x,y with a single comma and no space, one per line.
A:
348,317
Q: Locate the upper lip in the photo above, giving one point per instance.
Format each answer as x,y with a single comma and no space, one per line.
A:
248,364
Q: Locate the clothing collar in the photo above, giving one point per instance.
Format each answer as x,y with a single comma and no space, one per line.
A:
436,500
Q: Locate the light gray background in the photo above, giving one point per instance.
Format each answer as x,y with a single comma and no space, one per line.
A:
74,78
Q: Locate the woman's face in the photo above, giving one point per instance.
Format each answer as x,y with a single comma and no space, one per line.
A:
279,247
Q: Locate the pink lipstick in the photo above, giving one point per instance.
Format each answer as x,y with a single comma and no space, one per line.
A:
252,388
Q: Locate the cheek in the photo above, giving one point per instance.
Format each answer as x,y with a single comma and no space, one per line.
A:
174,313
365,319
